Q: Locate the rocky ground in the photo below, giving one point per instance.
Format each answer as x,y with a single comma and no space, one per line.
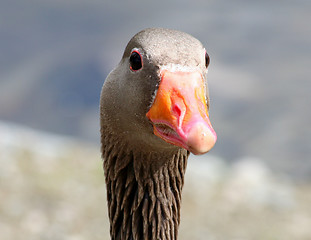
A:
52,187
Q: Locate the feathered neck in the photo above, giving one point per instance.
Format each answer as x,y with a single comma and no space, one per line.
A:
143,190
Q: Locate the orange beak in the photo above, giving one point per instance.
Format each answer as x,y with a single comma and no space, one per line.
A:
179,113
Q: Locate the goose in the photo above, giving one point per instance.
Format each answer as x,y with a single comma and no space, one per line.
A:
153,112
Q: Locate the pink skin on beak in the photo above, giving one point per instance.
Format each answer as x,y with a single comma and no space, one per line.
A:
179,113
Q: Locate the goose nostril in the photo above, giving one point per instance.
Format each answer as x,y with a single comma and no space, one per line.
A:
176,109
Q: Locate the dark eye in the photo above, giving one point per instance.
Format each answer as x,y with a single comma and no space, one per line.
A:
135,61
207,60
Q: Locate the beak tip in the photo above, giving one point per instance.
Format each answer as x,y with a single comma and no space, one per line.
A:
201,139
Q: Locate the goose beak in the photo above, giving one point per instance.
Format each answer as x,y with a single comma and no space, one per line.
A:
179,112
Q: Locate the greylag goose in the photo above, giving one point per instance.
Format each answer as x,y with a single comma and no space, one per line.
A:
154,112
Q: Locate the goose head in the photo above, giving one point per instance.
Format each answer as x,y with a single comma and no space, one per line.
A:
157,97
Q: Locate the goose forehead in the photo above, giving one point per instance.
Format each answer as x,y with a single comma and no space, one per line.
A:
166,43
172,48
174,53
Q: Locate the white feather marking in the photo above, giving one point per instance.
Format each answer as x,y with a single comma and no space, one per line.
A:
178,68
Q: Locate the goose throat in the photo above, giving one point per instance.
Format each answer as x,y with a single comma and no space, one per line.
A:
143,199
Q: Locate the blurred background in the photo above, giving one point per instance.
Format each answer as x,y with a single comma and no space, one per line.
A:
54,58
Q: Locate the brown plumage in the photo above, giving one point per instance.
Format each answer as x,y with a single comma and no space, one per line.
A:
145,157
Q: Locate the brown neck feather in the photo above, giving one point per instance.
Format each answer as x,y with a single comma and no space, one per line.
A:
143,191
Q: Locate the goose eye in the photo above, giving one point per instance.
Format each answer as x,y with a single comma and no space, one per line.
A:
135,61
207,60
